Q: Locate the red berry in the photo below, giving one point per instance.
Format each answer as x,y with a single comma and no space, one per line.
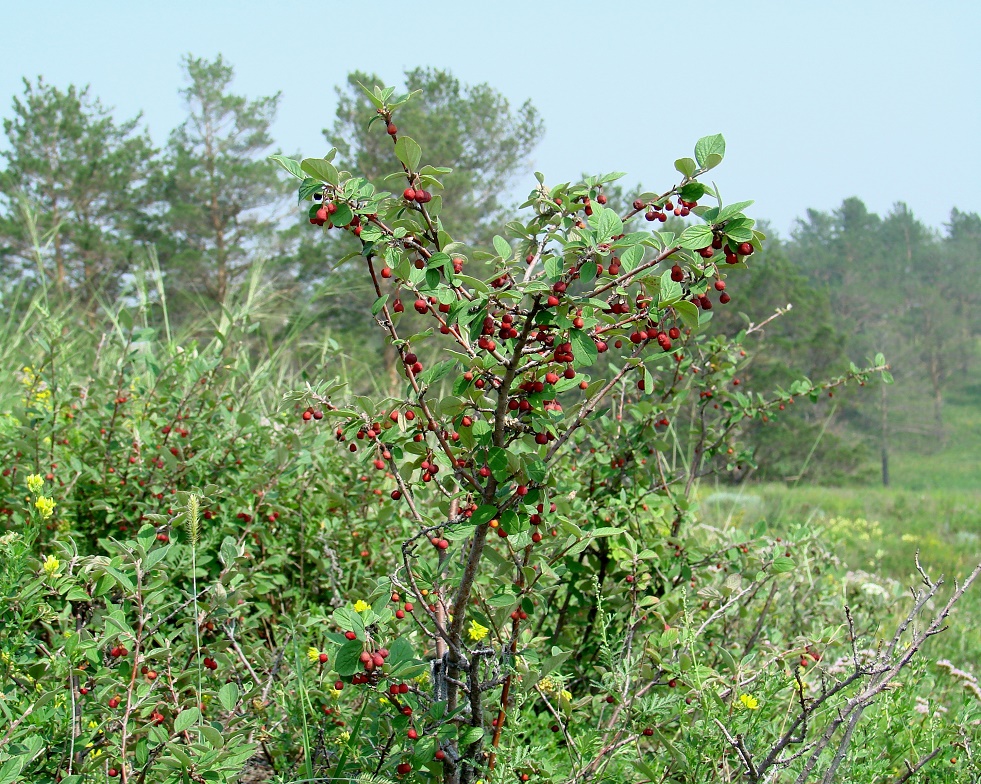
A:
409,194
745,248
323,658
392,129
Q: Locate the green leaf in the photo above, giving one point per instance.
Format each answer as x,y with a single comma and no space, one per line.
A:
607,222
213,736
692,191
122,579
320,169
731,210
497,461
348,658
409,152
228,696
378,304
343,216
186,719
670,290
471,735
378,102
686,166
782,564
437,372
739,233
11,770
400,652
535,469
688,313
502,600
502,247
696,237
293,167
631,258
308,187
484,514
583,347
710,145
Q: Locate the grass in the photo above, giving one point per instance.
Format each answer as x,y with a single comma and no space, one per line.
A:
954,464
877,530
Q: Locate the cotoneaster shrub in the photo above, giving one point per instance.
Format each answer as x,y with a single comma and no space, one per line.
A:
499,575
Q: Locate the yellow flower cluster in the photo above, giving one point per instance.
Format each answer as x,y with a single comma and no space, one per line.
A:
41,392
361,605
476,631
749,701
34,483
45,506
51,565
313,655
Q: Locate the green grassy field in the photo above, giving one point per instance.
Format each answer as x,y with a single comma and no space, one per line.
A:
956,464
878,530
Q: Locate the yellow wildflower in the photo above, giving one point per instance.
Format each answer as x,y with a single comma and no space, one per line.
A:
51,565
476,631
45,506
313,655
749,701
335,693
547,684
93,724
383,700
361,605
34,483
566,695
345,736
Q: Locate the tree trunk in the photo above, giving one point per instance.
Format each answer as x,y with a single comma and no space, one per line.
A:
884,436
936,381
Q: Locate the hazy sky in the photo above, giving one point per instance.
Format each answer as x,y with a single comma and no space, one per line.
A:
818,101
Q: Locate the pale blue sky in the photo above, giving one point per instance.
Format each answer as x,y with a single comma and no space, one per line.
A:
818,100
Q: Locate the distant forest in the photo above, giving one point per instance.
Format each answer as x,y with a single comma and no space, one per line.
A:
90,209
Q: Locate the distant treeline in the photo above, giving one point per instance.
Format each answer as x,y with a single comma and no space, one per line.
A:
88,206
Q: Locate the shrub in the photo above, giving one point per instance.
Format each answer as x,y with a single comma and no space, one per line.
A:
499,575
